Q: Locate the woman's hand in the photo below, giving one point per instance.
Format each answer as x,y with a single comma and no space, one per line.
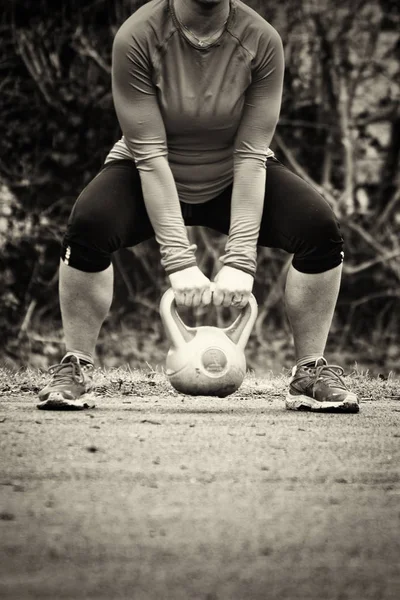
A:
232,287
191,287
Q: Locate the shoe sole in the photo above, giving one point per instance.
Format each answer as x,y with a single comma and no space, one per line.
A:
57,402
305,403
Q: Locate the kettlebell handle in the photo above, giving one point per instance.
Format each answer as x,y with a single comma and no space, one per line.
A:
180,334
240,330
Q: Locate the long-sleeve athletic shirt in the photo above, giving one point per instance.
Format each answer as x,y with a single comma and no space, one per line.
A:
196,119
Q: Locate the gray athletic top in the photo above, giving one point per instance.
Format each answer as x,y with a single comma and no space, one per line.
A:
196,118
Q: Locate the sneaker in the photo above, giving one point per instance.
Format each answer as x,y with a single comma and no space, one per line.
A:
320,388
70,380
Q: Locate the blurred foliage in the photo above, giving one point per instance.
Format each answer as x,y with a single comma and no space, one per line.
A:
339,129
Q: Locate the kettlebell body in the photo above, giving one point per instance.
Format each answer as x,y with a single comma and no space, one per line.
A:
206,360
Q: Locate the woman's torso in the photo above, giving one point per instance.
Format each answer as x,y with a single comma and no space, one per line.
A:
201,95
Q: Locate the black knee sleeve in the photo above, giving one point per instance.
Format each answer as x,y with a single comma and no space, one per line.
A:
84,258
86,244
323,251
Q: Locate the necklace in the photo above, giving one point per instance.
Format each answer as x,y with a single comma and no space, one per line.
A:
207,40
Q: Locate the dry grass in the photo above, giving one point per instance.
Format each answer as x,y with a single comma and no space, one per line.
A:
125,381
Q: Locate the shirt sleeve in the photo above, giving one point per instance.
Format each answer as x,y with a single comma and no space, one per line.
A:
140,119
254,136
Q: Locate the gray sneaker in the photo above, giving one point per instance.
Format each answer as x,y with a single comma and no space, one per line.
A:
70,381
320,388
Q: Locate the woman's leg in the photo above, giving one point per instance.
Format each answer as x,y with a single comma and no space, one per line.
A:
297,219
108,215
310,304
85,299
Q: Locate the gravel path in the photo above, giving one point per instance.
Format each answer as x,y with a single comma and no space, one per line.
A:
207,499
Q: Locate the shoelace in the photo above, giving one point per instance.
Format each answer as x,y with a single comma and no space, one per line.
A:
71,370
330,373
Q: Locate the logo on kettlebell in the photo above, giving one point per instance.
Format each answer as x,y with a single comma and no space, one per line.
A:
214,360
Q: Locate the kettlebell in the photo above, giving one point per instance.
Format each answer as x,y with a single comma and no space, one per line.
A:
206,361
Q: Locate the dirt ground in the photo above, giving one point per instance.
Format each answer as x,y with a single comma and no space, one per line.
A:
153,498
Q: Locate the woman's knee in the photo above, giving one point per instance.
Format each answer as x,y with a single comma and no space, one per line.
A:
322,248
84,255
87,244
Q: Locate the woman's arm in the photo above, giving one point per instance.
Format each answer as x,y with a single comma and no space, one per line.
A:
141,123
257,127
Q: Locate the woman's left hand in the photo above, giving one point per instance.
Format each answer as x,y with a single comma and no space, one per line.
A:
232,287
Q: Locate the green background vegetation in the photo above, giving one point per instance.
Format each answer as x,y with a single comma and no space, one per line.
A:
339,129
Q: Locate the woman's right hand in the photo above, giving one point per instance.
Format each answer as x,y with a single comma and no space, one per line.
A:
191,287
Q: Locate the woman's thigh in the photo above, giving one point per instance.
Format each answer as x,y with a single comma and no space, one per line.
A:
296,218
294,212
299,220
108,215
112,205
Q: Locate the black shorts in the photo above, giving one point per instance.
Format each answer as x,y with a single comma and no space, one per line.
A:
110,214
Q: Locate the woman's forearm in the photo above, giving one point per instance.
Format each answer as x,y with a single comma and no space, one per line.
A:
162,205
246,213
